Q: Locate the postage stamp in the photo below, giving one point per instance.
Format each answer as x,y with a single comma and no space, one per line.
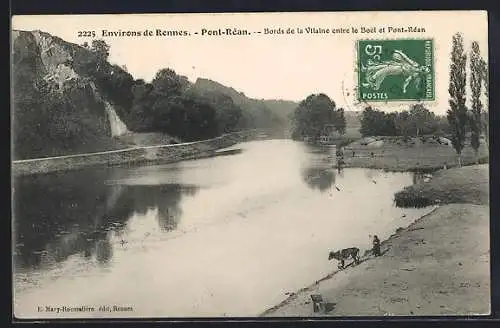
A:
396,70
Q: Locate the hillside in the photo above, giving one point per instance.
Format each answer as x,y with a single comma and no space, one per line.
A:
59,103
267,113
282,108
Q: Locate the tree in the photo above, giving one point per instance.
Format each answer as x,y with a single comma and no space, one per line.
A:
485,79
457,113
422,120
403,124
442,126
140,116
101,49
372,121
389,127
228,114
475,118
167,83
340,123
313,115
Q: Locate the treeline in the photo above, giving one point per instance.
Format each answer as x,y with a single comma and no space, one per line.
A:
168,104
416,121
315,116
463,119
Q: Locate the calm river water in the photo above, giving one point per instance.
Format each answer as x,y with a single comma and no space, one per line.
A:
224,236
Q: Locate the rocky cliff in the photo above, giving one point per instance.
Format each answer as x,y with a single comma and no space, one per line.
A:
59,103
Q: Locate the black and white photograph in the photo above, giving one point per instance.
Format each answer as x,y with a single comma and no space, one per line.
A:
276,165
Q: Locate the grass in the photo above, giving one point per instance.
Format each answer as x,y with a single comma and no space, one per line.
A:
468,184
149,139
422,157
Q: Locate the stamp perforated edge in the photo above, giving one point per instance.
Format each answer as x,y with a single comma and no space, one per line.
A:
394,102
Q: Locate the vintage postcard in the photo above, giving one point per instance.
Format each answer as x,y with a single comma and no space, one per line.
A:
320,164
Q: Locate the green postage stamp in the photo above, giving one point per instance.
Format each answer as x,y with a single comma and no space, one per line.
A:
396,70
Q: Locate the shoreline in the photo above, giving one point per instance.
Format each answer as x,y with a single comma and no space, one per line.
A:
332,274
438,265
407,280
134,156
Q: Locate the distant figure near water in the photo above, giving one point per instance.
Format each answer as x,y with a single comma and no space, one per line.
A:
376,246
340,159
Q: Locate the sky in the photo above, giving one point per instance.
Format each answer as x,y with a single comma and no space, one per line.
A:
268,66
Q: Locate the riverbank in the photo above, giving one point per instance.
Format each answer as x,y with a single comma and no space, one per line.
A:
134,156
426,157
439,265
468,184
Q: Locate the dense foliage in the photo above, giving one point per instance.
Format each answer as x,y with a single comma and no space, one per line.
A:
476,80
416,121
315,116
457,114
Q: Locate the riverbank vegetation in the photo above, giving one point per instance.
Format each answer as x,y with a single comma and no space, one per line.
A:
415,121
423,154
467,184
171,104
317,116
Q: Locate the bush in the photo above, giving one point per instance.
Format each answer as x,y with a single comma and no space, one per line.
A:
408,198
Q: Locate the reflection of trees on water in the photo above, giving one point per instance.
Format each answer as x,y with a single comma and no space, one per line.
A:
164,198
59,215
319,149
319,173
418,177
318,178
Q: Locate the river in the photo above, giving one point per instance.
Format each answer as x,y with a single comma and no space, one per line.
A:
222,236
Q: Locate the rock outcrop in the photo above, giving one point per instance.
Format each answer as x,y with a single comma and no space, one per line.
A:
59,103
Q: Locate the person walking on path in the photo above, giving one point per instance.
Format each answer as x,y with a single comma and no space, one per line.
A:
376,246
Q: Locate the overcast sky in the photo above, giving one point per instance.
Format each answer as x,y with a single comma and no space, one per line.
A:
267,66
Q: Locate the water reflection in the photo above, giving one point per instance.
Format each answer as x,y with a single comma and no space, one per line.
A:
418,177
61,215
318,178
318,172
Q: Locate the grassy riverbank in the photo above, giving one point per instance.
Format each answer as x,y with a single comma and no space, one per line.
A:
468,184
138,155
439,265
419,156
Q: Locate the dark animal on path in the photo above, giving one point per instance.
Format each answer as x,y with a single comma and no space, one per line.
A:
344,254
